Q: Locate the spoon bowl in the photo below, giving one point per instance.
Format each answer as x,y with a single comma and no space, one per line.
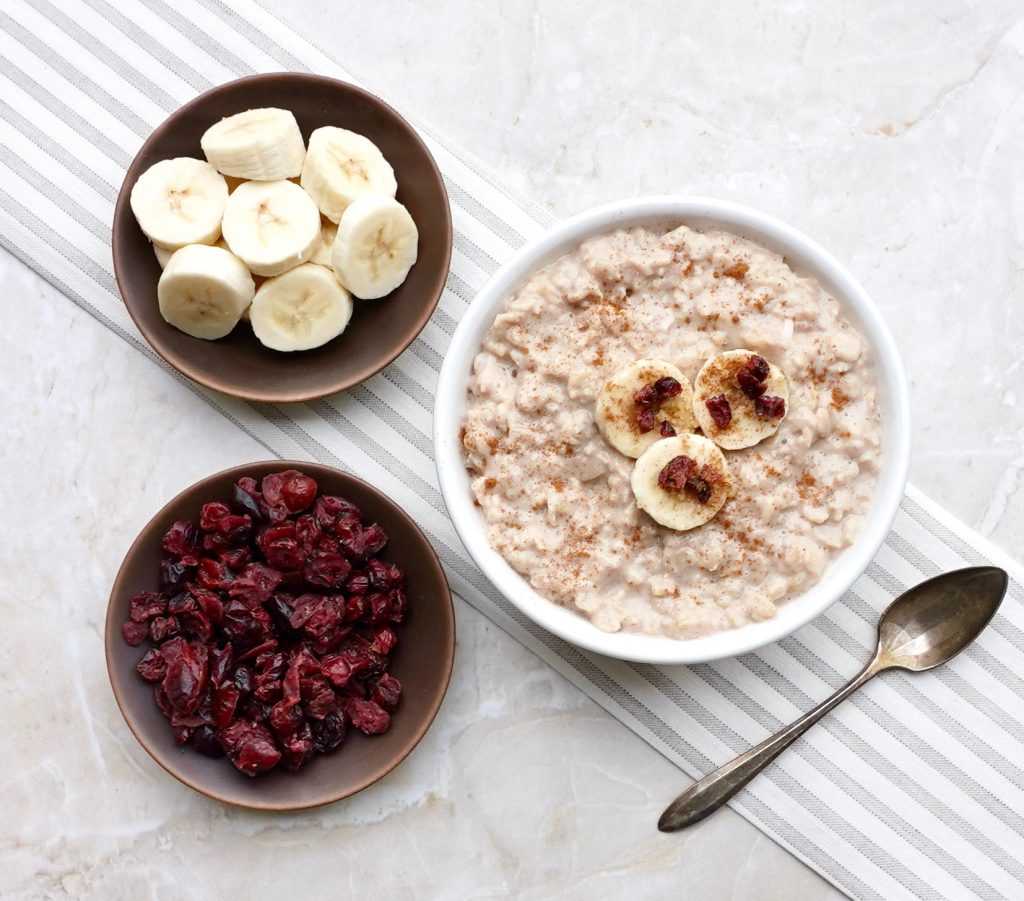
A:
934,621
923,628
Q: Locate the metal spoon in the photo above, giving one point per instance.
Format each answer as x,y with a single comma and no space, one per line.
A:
923,628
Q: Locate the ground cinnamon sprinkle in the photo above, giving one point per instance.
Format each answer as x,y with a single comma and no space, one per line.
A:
490,483
689,268
598,358
839,398
558,485
493,443
737,271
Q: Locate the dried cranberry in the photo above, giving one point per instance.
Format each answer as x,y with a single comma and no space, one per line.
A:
173,573
309,534
221,663
357,608
243,679
326,569
289,489
367,716
329,508
386,692
674,474
209,602
236,558
771,407
384,640
194,624
280,547
646,420
204,740
182,540
255,584
183,602
298,748
249,746
162,628
145,605
247,497
185,679
245,626
225,700
399,601
666,430
750,384
358,583
214,574
211,514
182,734
152,666
667,387
318,698
285,718
758,367
700,488
646,396
329,733
721,412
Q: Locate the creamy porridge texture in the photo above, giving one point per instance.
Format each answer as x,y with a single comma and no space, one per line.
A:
556,496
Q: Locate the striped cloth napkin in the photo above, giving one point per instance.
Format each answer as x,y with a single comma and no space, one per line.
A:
912,789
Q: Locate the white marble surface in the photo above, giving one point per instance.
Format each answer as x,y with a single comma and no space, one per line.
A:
890,134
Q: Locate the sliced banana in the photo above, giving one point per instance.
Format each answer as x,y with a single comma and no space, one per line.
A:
617,412
342,166
747,426
272,226
376,246
302,309
263,144
180,201
672,500
163,255
203,291
328,232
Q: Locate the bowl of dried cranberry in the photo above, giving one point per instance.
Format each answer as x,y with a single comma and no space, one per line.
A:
280,636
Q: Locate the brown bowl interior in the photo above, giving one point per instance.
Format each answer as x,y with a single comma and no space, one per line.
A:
422,661
380,329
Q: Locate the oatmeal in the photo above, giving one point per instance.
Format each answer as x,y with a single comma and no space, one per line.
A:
556,496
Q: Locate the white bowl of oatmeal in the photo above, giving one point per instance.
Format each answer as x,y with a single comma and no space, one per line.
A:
543,502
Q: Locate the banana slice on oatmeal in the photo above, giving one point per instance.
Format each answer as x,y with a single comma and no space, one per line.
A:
642,403
681,482
739,399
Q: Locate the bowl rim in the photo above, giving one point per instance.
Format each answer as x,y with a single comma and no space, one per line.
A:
112,635
765,230
270,395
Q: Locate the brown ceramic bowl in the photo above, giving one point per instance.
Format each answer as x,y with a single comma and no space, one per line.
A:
380,329
422,661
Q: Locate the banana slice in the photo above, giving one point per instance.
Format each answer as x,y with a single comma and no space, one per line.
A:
180,201
301,309
631,426
342,166
681,482
163,255
375,248
203,291
272,226
263,144
747,403
328,232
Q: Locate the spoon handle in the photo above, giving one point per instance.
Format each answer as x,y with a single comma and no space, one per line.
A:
708,794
